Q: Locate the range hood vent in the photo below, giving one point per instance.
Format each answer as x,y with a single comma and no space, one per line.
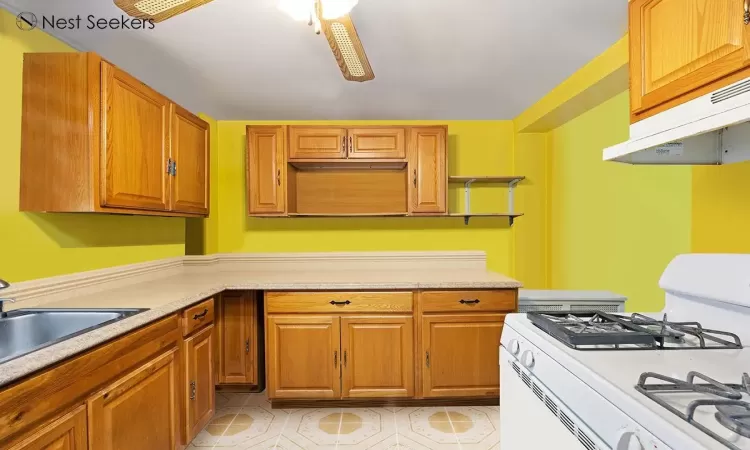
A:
712,129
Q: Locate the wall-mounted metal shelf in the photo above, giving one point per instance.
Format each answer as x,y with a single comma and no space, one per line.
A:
511,181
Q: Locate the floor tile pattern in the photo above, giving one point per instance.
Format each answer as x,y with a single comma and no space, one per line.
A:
246,421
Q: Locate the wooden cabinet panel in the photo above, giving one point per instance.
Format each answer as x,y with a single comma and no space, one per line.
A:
237,346
317,143
303,356
343,302
139,410
266,170
469,301
190,143
134,148
460,355
377,356
199,381
65,433
377,143
679,46
427,170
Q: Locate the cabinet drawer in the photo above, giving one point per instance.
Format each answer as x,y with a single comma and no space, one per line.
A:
468,301
197,316
343,302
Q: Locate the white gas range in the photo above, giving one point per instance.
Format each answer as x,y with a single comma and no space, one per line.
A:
616,381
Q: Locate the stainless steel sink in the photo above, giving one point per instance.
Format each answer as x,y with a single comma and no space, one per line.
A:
26,330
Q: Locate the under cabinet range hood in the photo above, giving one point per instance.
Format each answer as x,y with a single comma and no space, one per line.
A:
712,129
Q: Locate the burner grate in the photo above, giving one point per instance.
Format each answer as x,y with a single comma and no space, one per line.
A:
732,412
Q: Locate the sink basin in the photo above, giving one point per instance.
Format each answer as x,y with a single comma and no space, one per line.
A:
26,330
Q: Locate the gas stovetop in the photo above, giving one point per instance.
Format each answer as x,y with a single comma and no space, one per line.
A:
696,398
597,330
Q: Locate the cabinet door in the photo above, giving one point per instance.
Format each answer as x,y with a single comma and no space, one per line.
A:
317,143
460,355
377,143
189,150
679,46
139,410
427,172
199,381
377,356
237,346
303,354
266,170
66,433
134,148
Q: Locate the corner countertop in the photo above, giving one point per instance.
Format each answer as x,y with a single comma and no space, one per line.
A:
166,295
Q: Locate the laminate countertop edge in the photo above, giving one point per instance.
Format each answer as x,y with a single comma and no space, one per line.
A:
23,366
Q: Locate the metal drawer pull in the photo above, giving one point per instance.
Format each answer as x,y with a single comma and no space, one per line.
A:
247,346
334,302
344,358
192,390
335,359
469,302
747,12
201,315
427,359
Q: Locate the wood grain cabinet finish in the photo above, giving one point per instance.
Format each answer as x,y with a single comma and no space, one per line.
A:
427,170
374,143
317,143
199,391
459,354
96,139
237,339
189,144
266,170
139,410
303,356
682,49
68,432
377,356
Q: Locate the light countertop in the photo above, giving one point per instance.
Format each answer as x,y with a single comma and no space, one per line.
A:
166,295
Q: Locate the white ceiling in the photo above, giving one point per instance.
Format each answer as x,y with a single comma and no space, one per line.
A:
433,59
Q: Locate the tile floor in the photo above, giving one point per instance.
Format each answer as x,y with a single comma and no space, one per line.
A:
246,421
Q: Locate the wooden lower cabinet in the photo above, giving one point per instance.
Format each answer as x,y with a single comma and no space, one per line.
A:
377,356
139,410
199,395
237,338
303,356
65,433
460,355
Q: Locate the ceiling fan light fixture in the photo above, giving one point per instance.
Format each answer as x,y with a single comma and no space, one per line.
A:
333,9
301,10
157,10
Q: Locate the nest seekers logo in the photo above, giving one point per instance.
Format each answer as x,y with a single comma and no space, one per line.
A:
28,21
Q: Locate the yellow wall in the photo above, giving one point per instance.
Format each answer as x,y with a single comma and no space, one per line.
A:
613,226
40,245
475,148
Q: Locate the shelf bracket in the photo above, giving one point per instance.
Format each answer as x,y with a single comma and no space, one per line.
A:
511,189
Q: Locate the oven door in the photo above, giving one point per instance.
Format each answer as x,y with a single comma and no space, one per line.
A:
530,417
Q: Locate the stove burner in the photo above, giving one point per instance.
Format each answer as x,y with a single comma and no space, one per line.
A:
597,330
732,412
735,417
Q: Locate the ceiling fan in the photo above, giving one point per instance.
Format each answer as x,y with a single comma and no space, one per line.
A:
329,16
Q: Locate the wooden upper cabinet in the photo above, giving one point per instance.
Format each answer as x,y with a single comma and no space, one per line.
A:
682,49
96,139
317,143
266,169
236,339
377,356
460,355
65,433
199,392
142,403
134,143
376,143
427,170
189,151
303,356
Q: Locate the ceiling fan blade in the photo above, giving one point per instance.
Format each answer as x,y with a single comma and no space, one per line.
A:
347,48
157,10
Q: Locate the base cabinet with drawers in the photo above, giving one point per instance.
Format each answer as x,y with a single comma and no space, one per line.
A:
375,345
